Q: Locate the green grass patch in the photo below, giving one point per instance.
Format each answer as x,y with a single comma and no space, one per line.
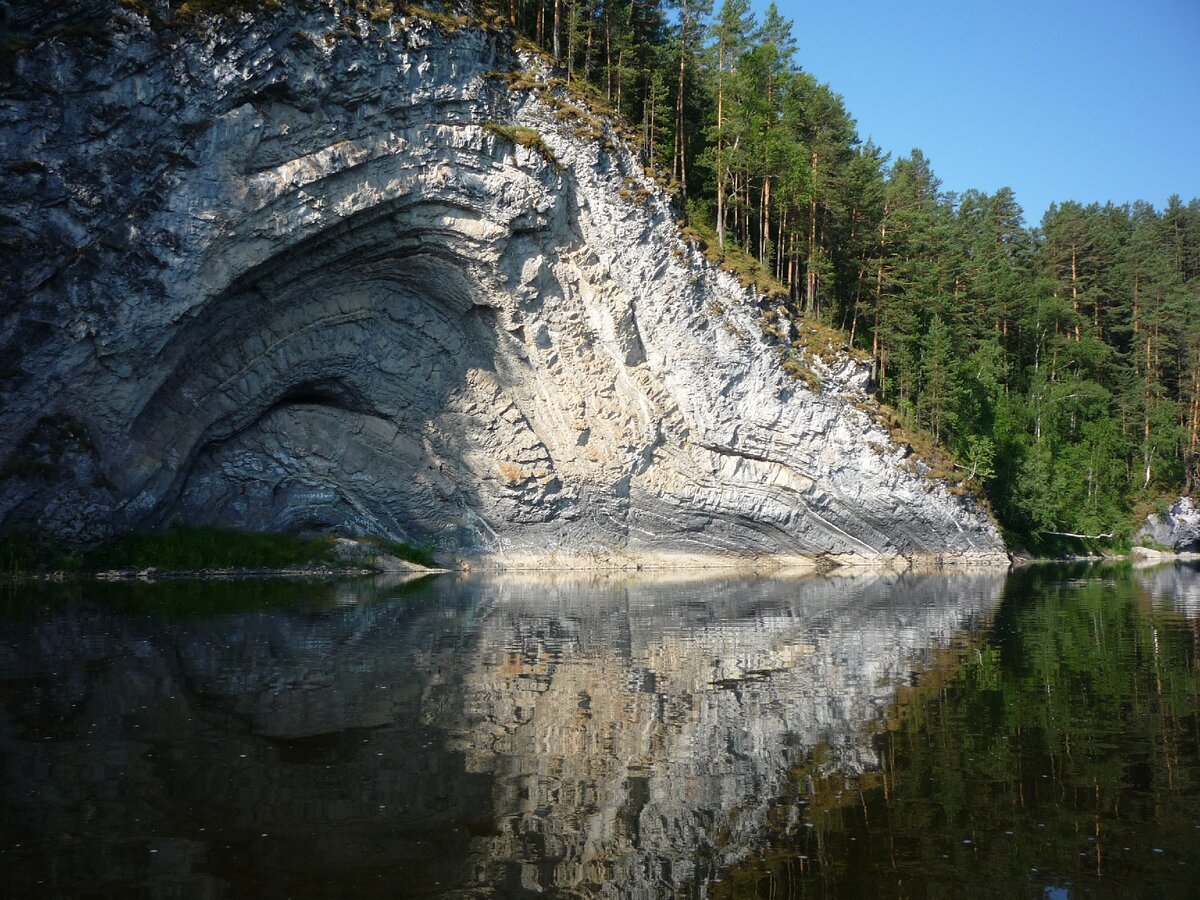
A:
194,549
189,549
19,555
141,7
526,137
794,368
749,272
449,22
181,599
419,555
194,10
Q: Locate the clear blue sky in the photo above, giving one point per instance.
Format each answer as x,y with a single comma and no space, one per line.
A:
1059,100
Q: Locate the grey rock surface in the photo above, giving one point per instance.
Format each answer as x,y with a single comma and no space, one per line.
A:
286,273
1178,528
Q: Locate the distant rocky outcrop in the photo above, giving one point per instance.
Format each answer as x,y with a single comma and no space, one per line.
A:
310,270
1177,529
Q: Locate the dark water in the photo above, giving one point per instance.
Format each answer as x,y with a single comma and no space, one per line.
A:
873,736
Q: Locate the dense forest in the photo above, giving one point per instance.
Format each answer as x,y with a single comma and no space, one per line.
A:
1059,365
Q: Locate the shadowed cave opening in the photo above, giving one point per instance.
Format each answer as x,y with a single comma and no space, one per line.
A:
340,402
334,394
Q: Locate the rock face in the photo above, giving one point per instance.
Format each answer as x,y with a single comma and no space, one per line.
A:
288,273
1177,528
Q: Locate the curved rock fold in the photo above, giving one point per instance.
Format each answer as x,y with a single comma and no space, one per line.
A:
287,282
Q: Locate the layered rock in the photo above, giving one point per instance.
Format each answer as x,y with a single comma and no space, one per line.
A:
290,273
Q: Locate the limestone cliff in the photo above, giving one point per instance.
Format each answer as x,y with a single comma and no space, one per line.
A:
311,270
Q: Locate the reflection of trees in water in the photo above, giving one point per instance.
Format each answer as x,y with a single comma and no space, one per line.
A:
601,734
1066,752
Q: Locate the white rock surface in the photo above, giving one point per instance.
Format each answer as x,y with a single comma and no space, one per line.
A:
280,277
1178,528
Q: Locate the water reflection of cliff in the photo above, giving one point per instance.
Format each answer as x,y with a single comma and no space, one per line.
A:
600,735
1175,585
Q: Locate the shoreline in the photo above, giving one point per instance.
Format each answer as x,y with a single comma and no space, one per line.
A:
651,564
152,575
823,564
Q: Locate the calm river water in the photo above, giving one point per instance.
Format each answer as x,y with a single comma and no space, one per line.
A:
1031,735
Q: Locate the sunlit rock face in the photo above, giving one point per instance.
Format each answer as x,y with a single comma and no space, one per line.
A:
1178,528
288,275
608,736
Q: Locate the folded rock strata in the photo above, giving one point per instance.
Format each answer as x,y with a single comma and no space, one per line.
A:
289,273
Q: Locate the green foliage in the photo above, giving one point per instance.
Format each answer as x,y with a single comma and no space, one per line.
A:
421,555
748,270
196,548
19,554
199,598
525,137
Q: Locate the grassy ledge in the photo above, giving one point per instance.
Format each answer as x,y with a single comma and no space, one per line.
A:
525,137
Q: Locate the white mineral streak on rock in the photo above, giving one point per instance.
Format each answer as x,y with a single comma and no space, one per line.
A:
277,284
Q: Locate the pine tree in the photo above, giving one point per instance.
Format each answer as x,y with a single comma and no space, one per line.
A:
730,35
690,16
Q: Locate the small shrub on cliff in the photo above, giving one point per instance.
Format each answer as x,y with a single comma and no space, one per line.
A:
792,365
421,556
449,22
194,10
749,272
526,137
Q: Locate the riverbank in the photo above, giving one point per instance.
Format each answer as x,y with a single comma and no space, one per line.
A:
213,553
1137,555
241,574
645,559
